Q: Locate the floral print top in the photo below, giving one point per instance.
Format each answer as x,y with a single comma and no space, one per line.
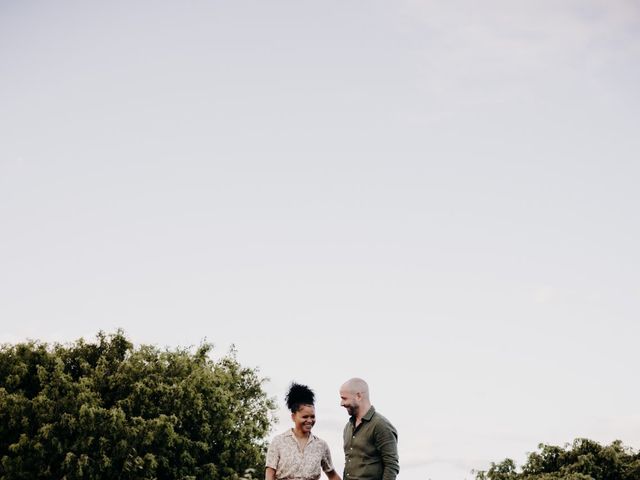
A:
291,463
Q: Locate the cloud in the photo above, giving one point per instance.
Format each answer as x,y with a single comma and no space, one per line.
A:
45,337
456,462
621,427
544,294
487,51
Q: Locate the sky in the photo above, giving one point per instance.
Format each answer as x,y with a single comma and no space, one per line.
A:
439,197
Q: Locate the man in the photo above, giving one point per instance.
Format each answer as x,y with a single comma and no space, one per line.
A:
370,441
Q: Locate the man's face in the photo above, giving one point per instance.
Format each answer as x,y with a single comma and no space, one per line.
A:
350,401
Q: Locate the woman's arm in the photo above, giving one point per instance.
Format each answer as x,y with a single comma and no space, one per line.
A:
270,474
333,475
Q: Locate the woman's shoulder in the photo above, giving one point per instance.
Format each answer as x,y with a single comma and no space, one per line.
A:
319,440
281,436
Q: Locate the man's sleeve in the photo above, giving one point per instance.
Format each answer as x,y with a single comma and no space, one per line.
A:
386,441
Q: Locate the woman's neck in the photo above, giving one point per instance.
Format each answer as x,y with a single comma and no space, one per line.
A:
300,433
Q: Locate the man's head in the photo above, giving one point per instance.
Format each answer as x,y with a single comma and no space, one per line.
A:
354,396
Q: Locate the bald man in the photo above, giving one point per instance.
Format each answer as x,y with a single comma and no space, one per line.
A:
370,441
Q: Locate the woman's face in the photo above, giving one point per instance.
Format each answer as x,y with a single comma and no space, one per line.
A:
304,418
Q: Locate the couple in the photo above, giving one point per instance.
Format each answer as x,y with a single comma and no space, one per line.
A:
370,441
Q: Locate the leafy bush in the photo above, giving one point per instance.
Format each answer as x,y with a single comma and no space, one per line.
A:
583,460
109,410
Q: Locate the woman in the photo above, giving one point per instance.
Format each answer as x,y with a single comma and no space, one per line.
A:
297,453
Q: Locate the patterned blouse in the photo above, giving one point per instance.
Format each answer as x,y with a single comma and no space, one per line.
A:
289,462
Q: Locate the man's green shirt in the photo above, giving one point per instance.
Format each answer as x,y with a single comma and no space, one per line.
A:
371,449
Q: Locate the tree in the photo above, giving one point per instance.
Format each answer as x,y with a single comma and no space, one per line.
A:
582,460
109,410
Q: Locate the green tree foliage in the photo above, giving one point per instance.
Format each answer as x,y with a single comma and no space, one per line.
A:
109,410
582,460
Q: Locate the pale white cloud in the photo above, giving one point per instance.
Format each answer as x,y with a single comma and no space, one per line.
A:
545,294
451,183
500,50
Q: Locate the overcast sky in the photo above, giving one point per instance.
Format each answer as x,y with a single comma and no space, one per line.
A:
440,197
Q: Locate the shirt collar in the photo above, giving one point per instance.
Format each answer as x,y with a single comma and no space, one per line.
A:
289,433
367,416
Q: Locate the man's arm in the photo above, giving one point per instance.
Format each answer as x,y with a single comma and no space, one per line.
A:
386,441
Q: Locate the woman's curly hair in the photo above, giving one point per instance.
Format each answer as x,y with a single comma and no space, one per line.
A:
299,395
